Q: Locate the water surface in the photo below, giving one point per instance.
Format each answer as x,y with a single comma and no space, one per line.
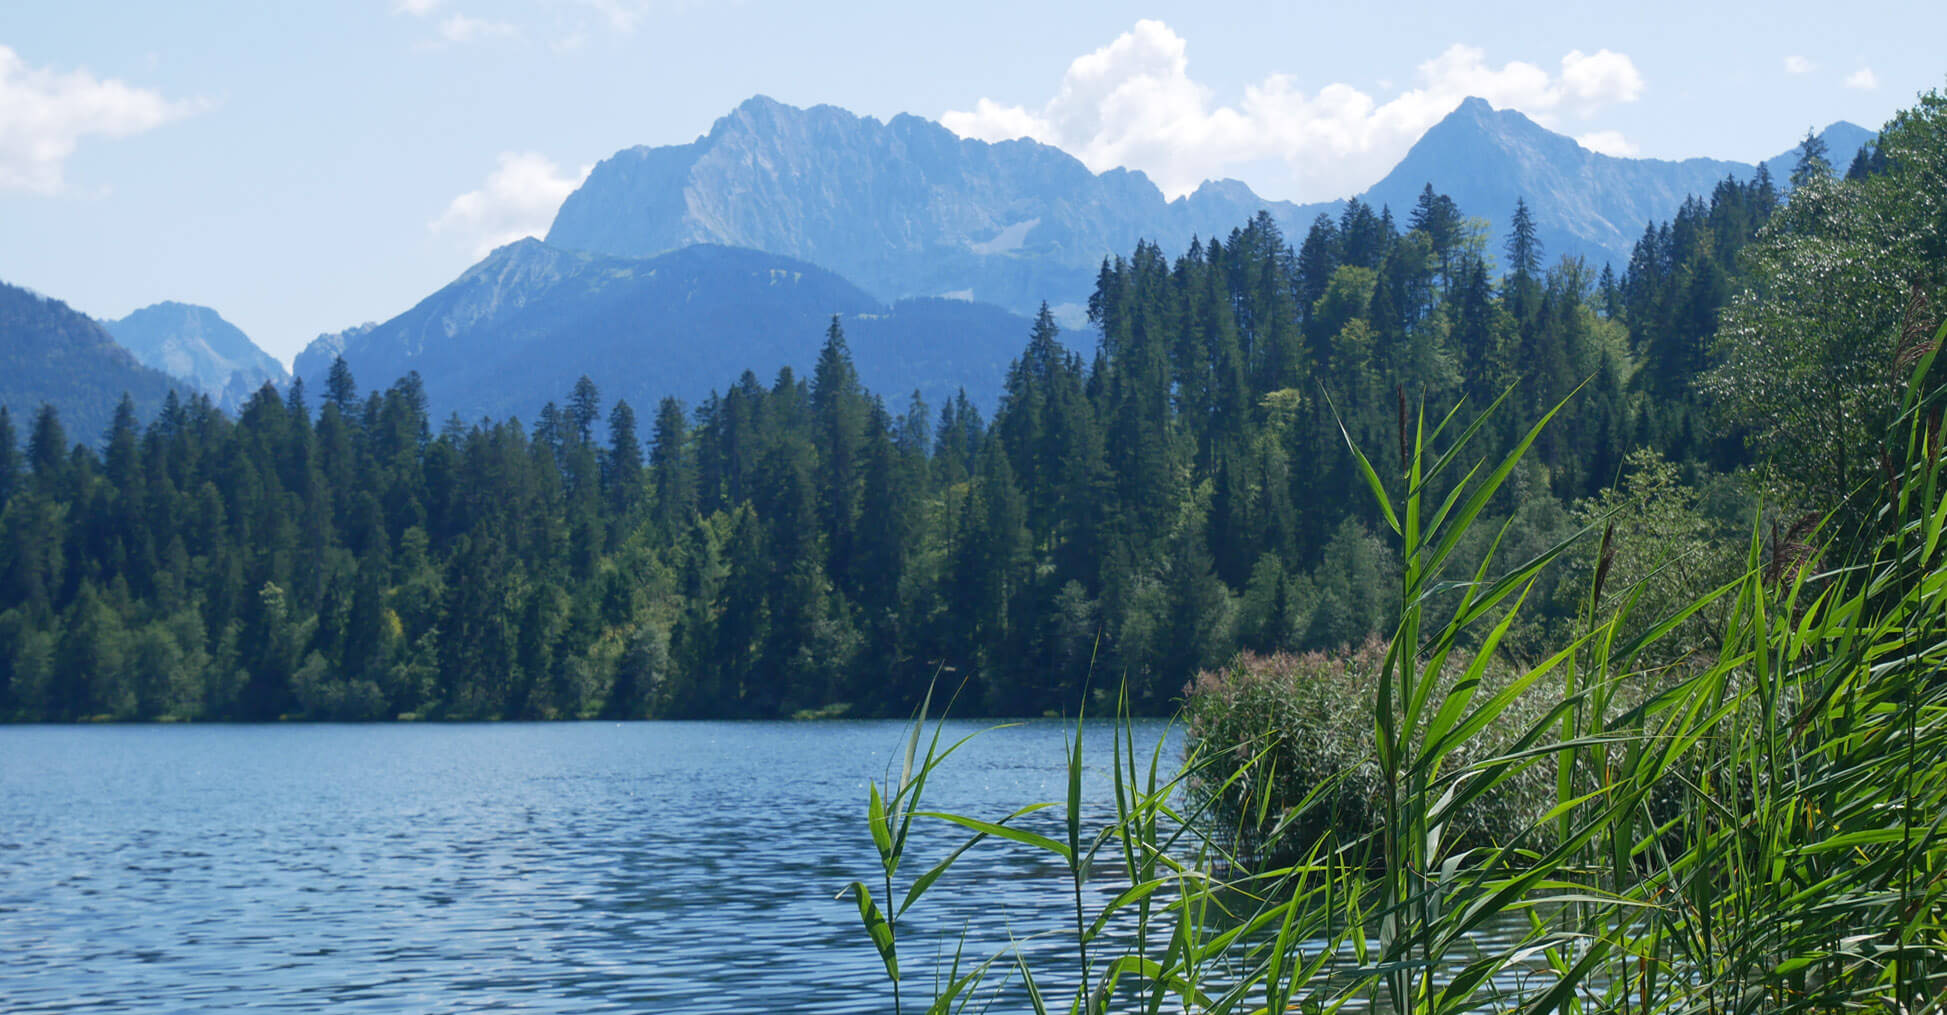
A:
654,867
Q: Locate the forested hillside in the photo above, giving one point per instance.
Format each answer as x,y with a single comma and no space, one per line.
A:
803,543
51,354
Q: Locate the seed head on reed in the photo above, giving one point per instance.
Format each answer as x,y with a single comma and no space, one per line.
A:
1789,548
1605,556
1918,336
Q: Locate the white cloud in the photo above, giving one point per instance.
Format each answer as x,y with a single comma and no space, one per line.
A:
1795,64
1133,103
519,198
1598,79
1863,79
621,15
44,114
457,27
460,28
1608,142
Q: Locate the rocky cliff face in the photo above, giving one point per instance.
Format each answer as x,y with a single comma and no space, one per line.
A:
906,208
195,344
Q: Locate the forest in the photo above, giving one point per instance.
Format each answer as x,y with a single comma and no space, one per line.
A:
1130,516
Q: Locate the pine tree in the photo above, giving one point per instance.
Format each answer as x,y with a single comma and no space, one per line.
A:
339,387
9,457
584,408
622,463
1813,162
839,409
671,468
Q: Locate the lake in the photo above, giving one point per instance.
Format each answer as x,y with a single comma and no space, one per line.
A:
654,867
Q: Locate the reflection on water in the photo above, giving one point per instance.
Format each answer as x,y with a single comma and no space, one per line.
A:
656,867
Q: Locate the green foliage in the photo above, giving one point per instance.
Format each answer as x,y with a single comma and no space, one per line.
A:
1299,727
1841,294
1761,832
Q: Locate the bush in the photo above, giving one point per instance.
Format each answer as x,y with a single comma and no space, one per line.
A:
1308,720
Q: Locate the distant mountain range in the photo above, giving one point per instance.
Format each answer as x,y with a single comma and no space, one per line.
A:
672,269
197,345
1585,204
52,354
904,208
516,330
907,208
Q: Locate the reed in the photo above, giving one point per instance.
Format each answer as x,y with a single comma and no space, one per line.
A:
1763,829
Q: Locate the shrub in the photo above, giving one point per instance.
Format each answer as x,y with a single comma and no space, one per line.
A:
1307,719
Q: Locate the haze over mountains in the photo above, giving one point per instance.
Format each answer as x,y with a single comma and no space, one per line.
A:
863,217
907,208
197,345
1585,204
904,208
931,248
517,329
53,354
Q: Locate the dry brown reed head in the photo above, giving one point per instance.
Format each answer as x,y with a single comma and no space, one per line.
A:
1917,332
1789,548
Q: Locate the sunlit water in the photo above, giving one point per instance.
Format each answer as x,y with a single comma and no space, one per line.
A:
654,867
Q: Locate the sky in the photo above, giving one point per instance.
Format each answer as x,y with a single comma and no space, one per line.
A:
307,167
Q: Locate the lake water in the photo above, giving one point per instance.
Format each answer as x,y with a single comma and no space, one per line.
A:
654,867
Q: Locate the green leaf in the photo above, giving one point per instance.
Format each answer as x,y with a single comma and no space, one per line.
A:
877,927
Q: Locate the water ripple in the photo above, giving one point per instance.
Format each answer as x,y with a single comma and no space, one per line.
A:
665,867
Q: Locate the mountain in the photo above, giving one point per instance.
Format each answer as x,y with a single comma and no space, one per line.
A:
904,208
515,331
197,345
1585,203
1842,141
53,354
908,208
672,269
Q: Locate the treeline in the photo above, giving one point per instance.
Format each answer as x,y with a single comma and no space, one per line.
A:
1182,492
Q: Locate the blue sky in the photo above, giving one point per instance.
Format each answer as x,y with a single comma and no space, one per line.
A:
306,167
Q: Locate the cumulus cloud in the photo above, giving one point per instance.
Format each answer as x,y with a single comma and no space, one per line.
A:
1863,79
44,114
460,28
1594,80
519,198
1608,142
1133,103
621,15
1795,64
456,28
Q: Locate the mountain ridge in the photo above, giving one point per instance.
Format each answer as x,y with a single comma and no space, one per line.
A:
517,328
51,353
963,195
905,207
195,344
